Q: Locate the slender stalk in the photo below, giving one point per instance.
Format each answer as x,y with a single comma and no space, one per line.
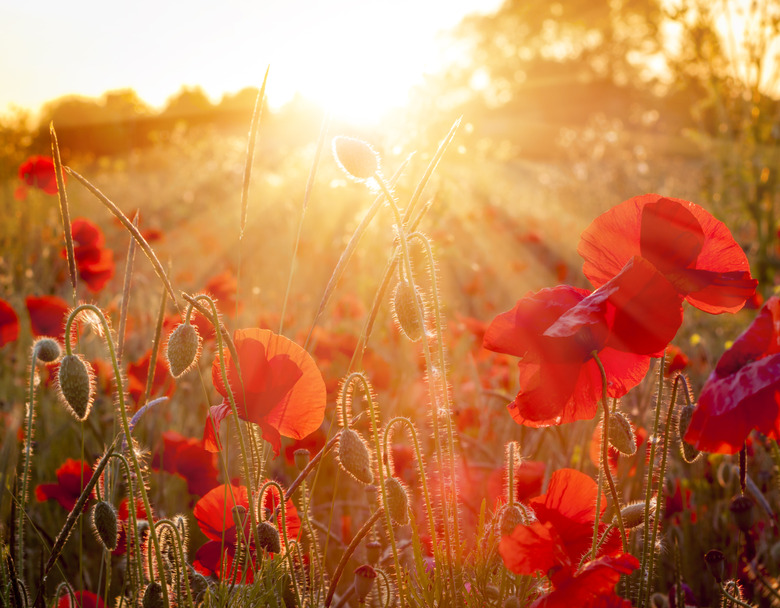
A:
120,346
731,598
64,209
250,152
180,553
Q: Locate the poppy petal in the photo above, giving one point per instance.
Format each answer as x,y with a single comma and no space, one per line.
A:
9,323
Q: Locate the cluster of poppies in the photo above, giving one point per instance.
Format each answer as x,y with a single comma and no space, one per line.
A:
644,257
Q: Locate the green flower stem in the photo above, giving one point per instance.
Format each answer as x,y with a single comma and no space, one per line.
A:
125,421
421,466
731,598
348,553
605,456
181,562
646,548
133,519
407,267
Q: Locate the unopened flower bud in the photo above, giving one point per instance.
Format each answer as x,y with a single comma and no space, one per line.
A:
239,516
356,157
397,501
268,538
716,562
302,458
373,551
511,517
364,581
407,302
104,522
183,348
687,451
353,456
153,596
621,434
634,514
77,386
47,350
741,508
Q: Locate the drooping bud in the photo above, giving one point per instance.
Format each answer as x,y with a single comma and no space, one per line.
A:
77,386
688,452
634,514
359,160
716,562
353,456
153,596
406,301
47,350
104,522
621,434
268,537
397,501
183,349
364,581
741,508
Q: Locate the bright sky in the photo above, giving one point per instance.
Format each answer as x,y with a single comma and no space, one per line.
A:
358,56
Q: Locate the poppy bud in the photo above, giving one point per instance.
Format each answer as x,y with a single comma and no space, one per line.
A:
104,523
716,562
373,550
621,434
77,386
183,348
687,451
659,600
741,508
47,350
511,517
153,596
239,516
511,602
356,157
302,458
397,501
364,581
405,308
268,538
634,514
353,456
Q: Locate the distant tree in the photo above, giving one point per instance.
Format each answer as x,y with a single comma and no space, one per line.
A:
189,101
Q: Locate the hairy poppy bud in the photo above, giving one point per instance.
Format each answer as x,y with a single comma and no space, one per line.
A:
634,514
356,157
302,458
153,596
373,551
104,523
741,508
364,581
239,516
397,501
268,538
511,517
47,350
183,348
76,386
406,301
688,452
621,434
716,562
354,457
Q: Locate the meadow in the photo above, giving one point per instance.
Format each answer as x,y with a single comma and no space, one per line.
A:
398,335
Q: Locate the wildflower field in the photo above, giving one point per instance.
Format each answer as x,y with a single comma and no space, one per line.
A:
252,366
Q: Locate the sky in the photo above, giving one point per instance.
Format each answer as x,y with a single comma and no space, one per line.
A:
352,56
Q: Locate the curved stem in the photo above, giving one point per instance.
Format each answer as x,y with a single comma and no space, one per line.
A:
180,550
731,598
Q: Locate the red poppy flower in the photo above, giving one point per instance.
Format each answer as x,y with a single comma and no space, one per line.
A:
691,248
214,514
72,477
38,172
48,315
676,361
743,391
556,331
563,531
94,262
186,457
123,518
283,391
9,323
593,586
84,599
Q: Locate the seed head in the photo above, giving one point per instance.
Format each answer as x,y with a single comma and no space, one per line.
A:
364,581
716,562
621,434
302,458
77,386
373,550
406,301
741,508
104,523
47,350
397,501
359,160
183,349
268,537
353,456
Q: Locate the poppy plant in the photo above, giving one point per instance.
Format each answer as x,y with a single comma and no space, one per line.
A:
743,391
557,331
94,262
563,530
279,389
186,457
84,599
72,478
47,315
692,249
38,172
9,323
